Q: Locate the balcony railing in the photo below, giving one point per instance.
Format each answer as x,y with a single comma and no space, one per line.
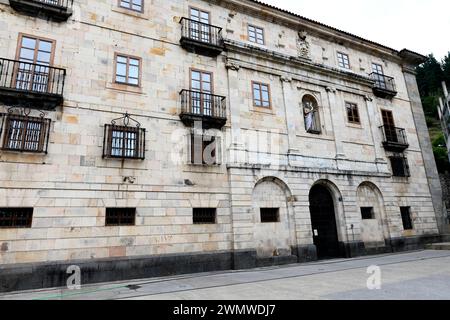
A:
394,139
58,10
208,108
201,38
31,85
384,86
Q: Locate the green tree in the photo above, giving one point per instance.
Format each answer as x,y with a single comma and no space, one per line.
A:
430,76
446,68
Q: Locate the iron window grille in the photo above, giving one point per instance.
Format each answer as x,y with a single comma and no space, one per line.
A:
367,213
23,133
406,218
270,215
400,166
120,217
204,215
124,141
16,217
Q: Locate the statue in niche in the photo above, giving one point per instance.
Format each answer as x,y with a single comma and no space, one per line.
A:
303,46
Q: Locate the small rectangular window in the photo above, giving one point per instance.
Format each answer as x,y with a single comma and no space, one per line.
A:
343,60
367,213
255,34
399,165
120,217
406,218
352,113
135,5
261,95
204,215
128,70
16,217
270,215
124,142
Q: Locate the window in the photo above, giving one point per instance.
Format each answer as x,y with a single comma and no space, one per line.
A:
378,75
25,134
406,218
261,95
16,217
204,215
400,167
128,70
311,115
35,56
201,96
352,113
120,217
270,215
135,5
255,34
204,149
367,213
343,60
124,142
200,25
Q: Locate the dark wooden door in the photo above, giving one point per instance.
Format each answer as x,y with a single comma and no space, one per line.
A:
324,223
389,126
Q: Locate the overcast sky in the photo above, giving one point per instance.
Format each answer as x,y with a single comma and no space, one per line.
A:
411,24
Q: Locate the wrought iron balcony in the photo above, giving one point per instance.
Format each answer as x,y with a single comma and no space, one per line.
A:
201,38
206,108
58,10
394,139
384,86
31,85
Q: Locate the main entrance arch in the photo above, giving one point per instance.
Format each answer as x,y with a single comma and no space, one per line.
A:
323,221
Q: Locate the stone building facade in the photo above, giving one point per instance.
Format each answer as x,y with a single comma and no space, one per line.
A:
200,135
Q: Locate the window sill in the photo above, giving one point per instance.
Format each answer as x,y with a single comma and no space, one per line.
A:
267,110
128,12
354,125
125,88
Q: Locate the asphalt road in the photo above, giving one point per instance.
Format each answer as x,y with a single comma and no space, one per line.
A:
419,275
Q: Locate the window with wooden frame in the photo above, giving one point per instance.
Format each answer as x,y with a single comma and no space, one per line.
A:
204,215
204,150
127,70
124,141
352,113
120,217
343,60
406,218
134,5
36,56
200,28
16,217
270,215
261,95
23,133
202,101
256,34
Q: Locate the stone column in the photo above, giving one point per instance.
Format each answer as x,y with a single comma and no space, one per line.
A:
425,146
336,120
291,108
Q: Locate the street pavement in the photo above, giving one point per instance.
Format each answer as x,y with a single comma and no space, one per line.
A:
418,275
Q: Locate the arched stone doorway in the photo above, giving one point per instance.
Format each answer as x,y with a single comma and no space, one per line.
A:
323,222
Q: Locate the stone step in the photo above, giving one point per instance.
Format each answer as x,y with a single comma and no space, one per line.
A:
439,246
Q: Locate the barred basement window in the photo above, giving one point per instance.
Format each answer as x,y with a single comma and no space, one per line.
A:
120,217
406,218
25,134
400,167
124,142
270,215
204,215
16,217
367,213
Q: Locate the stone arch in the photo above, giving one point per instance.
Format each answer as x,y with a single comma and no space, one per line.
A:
374,230
273,238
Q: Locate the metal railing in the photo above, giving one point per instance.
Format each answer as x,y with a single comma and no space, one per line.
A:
65,4
394,135
31,77
201,32
383,82
203,104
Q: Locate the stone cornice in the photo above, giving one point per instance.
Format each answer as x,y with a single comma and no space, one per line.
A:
292,61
